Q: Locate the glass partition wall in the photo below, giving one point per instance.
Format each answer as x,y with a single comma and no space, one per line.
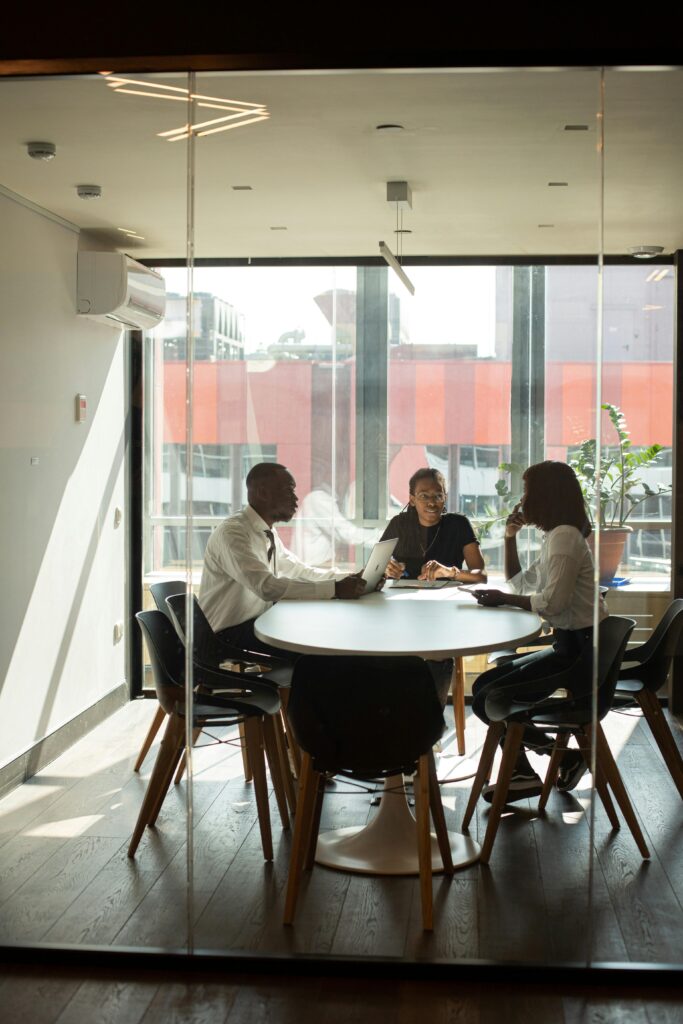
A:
292,341
89,188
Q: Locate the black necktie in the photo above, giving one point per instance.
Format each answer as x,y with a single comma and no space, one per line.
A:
271,547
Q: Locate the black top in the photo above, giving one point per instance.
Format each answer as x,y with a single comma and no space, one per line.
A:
444,542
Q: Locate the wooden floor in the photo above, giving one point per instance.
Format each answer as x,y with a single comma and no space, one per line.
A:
65,876
74,997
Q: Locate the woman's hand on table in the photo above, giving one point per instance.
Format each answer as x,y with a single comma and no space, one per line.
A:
491,598
394,569
495,598
434,570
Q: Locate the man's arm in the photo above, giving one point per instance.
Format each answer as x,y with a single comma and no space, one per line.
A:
239,561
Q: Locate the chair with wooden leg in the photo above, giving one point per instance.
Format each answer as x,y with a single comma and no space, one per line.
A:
211,651
643,673
565,716
251,702
159,591
366,718
458,700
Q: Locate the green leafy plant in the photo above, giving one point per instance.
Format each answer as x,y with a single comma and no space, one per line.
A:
618,488
507,500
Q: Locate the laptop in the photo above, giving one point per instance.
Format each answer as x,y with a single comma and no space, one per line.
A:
377,563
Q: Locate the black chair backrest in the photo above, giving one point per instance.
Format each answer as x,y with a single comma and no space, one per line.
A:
657,652
208,649
167,656
160,591
365,716
614,634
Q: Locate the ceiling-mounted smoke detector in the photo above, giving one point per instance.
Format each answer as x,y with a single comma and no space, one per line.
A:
646,252
41,150
89,191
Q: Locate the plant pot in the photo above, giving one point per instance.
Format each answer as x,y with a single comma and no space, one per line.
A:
612,543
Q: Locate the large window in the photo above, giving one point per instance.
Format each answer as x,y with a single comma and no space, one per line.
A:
354,384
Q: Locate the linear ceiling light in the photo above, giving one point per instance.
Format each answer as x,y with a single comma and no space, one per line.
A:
388,255
240,112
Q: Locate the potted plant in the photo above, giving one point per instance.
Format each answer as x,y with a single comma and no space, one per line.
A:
613,487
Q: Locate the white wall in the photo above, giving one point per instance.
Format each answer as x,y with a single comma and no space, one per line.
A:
63,566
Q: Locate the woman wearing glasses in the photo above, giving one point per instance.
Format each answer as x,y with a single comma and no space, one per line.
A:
433,544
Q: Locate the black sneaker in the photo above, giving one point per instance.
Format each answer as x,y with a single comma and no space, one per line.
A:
571,771
522,785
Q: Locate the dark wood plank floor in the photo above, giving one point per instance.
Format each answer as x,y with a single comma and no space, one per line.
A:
65,876
72,996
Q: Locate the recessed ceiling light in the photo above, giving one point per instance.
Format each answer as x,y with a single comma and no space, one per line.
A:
645,252
388,128
576,127
278,228
242,188
647,309
557,184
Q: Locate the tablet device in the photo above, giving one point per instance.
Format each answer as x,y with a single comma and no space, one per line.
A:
377,563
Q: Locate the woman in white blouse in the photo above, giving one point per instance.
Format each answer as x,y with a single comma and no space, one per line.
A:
558,586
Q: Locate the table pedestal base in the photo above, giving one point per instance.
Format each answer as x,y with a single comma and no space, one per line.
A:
388,845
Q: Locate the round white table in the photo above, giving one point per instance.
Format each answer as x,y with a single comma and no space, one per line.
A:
433,624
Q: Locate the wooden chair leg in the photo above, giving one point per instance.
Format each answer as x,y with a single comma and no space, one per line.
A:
248,776
439,818
196,733
253,734
164,788
424,843
659,726
275,767
583,738
513,741
161,773
488,753
308,786
292,745
285,767
609,766
157,722
312,838
553,768
458,698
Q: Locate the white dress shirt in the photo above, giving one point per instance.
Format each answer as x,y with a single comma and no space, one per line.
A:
560,581
238,580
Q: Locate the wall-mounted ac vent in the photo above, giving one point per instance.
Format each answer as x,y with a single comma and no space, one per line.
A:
115,289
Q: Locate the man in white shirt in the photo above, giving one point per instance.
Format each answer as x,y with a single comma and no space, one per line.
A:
247,568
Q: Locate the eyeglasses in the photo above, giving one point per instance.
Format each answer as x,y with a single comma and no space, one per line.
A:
437,498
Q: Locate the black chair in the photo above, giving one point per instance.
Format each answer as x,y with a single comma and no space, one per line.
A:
366,718
566,716
159,591
165,588
251,702
211,651
644,673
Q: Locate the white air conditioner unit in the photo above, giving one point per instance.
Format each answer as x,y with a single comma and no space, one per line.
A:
115,289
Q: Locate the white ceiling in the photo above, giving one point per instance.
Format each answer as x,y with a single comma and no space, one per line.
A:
478,150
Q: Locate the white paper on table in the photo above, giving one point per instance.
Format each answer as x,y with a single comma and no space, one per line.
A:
423,584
